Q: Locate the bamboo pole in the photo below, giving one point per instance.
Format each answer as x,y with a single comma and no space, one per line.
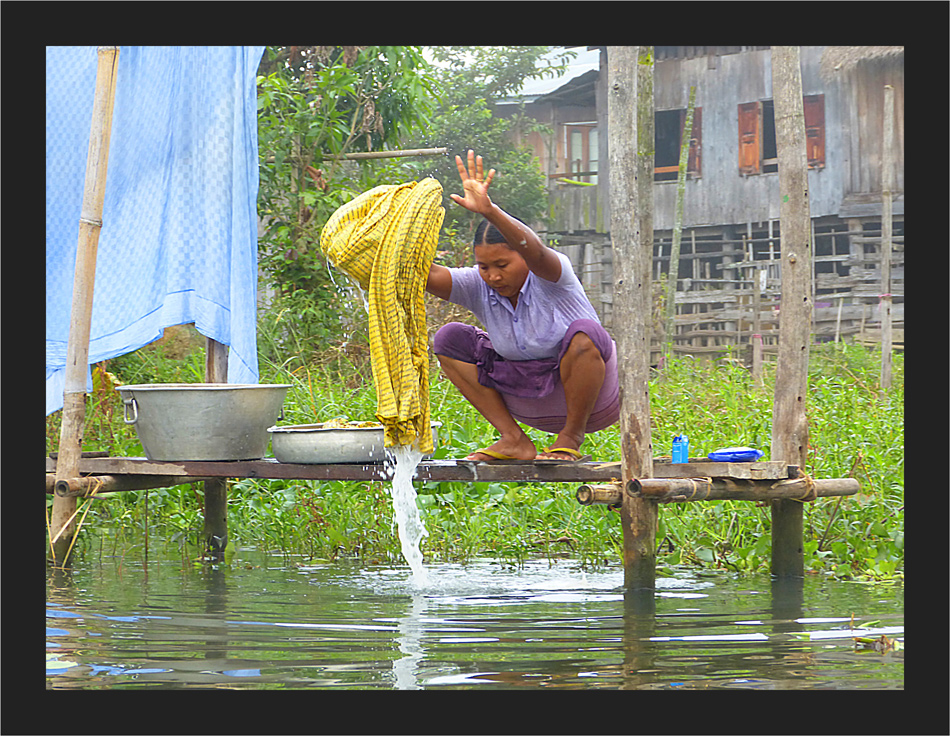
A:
838,320
62,521
610,494
630,158
789,422
89,485
669,490
216,489
363,155
887,188
680,490
759,273
670,301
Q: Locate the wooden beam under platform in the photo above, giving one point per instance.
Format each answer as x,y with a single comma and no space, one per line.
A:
679,490
91,485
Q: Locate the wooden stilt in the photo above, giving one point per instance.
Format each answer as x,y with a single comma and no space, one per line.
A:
789,422
62,521
216,489
630,144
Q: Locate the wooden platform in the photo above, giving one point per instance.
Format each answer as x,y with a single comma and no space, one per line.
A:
431,470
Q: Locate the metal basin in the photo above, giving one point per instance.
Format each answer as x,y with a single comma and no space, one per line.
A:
314,444
203,421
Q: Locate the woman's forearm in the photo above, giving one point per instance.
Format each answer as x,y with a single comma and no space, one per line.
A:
525,241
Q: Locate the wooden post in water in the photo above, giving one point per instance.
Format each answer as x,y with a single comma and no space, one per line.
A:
789,422
216,489
62,521
887,189
630,145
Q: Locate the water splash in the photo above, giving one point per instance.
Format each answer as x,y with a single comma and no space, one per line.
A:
404,460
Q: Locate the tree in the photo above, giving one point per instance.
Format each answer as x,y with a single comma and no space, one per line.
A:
469,81
316,103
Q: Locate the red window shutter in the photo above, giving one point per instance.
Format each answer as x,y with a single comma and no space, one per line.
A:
750,126
815,130
694,165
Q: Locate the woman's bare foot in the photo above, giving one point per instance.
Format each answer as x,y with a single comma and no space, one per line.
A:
520,448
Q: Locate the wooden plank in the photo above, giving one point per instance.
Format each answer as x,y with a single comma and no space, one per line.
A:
432,470
763,470
429,470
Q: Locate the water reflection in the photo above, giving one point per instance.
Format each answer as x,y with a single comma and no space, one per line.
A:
480,626
409,640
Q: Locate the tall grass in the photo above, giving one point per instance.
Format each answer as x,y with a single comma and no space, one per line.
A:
855,429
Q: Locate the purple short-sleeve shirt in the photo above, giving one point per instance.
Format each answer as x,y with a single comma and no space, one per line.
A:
536,327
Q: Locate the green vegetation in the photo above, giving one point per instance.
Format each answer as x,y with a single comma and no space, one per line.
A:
315,103
854,431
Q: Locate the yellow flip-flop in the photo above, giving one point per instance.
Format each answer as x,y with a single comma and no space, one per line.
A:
576,454
496,457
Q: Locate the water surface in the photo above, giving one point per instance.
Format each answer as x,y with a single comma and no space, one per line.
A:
265,622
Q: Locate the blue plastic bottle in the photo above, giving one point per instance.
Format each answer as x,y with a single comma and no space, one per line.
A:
680,449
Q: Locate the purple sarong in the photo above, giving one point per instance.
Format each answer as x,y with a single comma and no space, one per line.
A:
532,389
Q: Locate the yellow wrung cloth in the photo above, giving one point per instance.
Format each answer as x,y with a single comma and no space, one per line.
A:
385,240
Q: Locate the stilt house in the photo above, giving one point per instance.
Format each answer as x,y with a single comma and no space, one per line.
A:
730,231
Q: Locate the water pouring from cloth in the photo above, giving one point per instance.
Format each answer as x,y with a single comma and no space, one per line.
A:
405,511
385,240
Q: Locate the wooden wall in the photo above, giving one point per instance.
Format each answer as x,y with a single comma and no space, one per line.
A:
731,222
846,185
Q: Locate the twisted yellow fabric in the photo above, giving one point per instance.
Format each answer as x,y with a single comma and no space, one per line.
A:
385,240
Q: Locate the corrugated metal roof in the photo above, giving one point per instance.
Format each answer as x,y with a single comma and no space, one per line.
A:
846,58
585,60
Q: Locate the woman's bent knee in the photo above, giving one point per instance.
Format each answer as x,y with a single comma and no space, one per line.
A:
455,340
581,345
584,335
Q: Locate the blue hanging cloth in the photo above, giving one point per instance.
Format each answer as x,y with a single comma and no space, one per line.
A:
178,242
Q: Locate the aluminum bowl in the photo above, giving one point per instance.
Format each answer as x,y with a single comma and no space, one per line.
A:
313,444
203,421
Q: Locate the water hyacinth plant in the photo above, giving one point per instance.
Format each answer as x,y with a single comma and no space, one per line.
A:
855,430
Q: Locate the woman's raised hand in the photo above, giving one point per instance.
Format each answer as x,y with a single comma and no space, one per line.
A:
475,184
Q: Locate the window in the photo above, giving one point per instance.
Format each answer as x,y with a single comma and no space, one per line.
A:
582,151
757,149
668,136
750,135
815,131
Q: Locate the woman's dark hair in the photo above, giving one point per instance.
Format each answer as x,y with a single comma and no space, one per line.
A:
489,234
